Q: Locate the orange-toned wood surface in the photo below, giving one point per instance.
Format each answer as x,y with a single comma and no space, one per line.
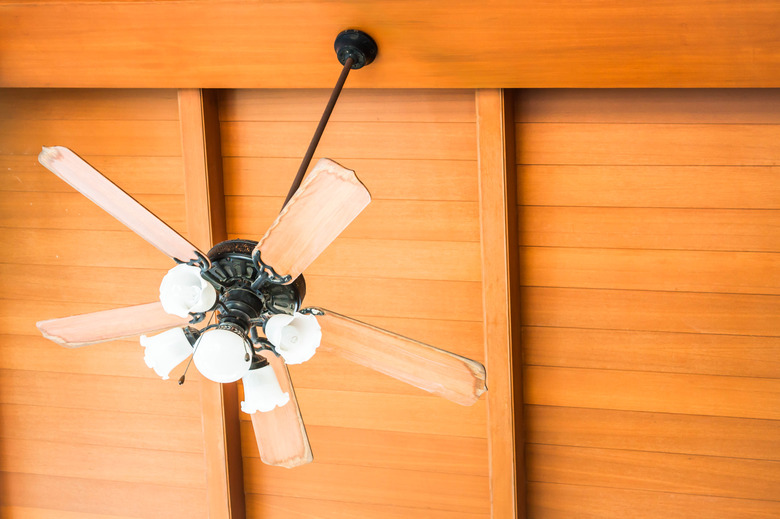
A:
408,263
648,246
424,44
204,202
500,272
90,432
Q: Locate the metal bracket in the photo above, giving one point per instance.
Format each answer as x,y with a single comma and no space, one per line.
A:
267,274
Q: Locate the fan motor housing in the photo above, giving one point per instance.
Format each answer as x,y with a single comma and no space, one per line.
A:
232,273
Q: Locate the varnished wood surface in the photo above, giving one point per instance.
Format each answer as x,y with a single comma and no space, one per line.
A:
238,45
94,434
648,243
205,214
500,270
374,439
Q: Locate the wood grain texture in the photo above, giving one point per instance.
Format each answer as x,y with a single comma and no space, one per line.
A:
205,215
106,497
564,44
389,178
327,201
660,105
560,501
95,433
369,485
391,449
659,392
280,434
437,371
278,507
88,181
648,231
684,474
700,187
412,248
84,329
656,432
500,270
670,352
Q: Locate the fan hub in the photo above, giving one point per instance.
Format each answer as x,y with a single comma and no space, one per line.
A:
232,273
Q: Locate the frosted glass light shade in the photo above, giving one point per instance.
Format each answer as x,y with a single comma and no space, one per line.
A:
166,350
221,356
296,337
183,290
262,391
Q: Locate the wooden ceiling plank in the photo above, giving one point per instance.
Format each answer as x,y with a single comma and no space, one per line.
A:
457,44
204,200
500,270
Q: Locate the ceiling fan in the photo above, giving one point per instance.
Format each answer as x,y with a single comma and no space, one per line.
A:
252,293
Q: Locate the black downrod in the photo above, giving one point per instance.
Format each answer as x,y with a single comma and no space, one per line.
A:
354,49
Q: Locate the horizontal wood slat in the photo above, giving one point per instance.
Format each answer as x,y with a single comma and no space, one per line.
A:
371,485
658,432
703,187
632,269
641,228
678,473
386,179
95,392
61,458
643,106
558,44
658,392
422,414
119,287
386,219
83,248
381,297
360,105
94,105
137,175
649,144
708,354
559,501
115,358
736,314
343,141
73,211
390,449
89,496
118,137
108,428
284,507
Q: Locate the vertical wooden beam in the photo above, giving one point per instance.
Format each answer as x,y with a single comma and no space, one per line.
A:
205,205
500,266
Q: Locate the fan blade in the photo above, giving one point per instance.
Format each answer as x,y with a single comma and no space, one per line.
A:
108,325
440,372
280,433
325,204
92,184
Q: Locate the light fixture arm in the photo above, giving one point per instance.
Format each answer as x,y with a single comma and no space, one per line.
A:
354,49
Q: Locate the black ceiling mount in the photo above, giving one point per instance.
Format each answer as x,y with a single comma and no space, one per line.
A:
354,49
356,45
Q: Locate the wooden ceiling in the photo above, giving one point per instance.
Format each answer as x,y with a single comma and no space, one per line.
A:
428,44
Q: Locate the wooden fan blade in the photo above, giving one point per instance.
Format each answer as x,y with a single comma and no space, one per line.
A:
440,372
108,325
92,184
325,204
280,433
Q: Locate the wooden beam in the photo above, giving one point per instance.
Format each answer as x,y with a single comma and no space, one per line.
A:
205,205
500,265
428,43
